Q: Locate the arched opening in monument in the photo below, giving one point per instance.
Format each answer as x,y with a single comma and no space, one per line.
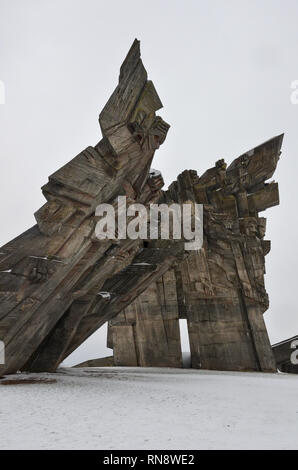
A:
92,352
185,346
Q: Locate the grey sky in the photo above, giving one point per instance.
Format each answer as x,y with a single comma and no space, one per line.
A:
223,70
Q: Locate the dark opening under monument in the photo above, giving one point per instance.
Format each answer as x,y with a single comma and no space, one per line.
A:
59,283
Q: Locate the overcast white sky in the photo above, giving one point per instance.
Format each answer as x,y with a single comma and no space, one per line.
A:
223,70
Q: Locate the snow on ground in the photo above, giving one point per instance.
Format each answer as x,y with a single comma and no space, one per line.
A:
136,408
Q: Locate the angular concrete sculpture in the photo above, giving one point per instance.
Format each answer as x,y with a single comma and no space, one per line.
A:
53,275
59,282
219,290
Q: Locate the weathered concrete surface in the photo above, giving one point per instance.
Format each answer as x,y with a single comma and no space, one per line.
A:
101,362
51,275
59,283
219,290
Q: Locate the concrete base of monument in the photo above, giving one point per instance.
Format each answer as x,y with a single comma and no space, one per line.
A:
150,408
109,362
100,362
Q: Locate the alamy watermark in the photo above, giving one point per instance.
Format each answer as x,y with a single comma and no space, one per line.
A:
156,221
294,355
294,94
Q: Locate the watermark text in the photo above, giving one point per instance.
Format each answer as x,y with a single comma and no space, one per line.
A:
158,221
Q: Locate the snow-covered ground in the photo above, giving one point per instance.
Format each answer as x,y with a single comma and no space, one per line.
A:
136,408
